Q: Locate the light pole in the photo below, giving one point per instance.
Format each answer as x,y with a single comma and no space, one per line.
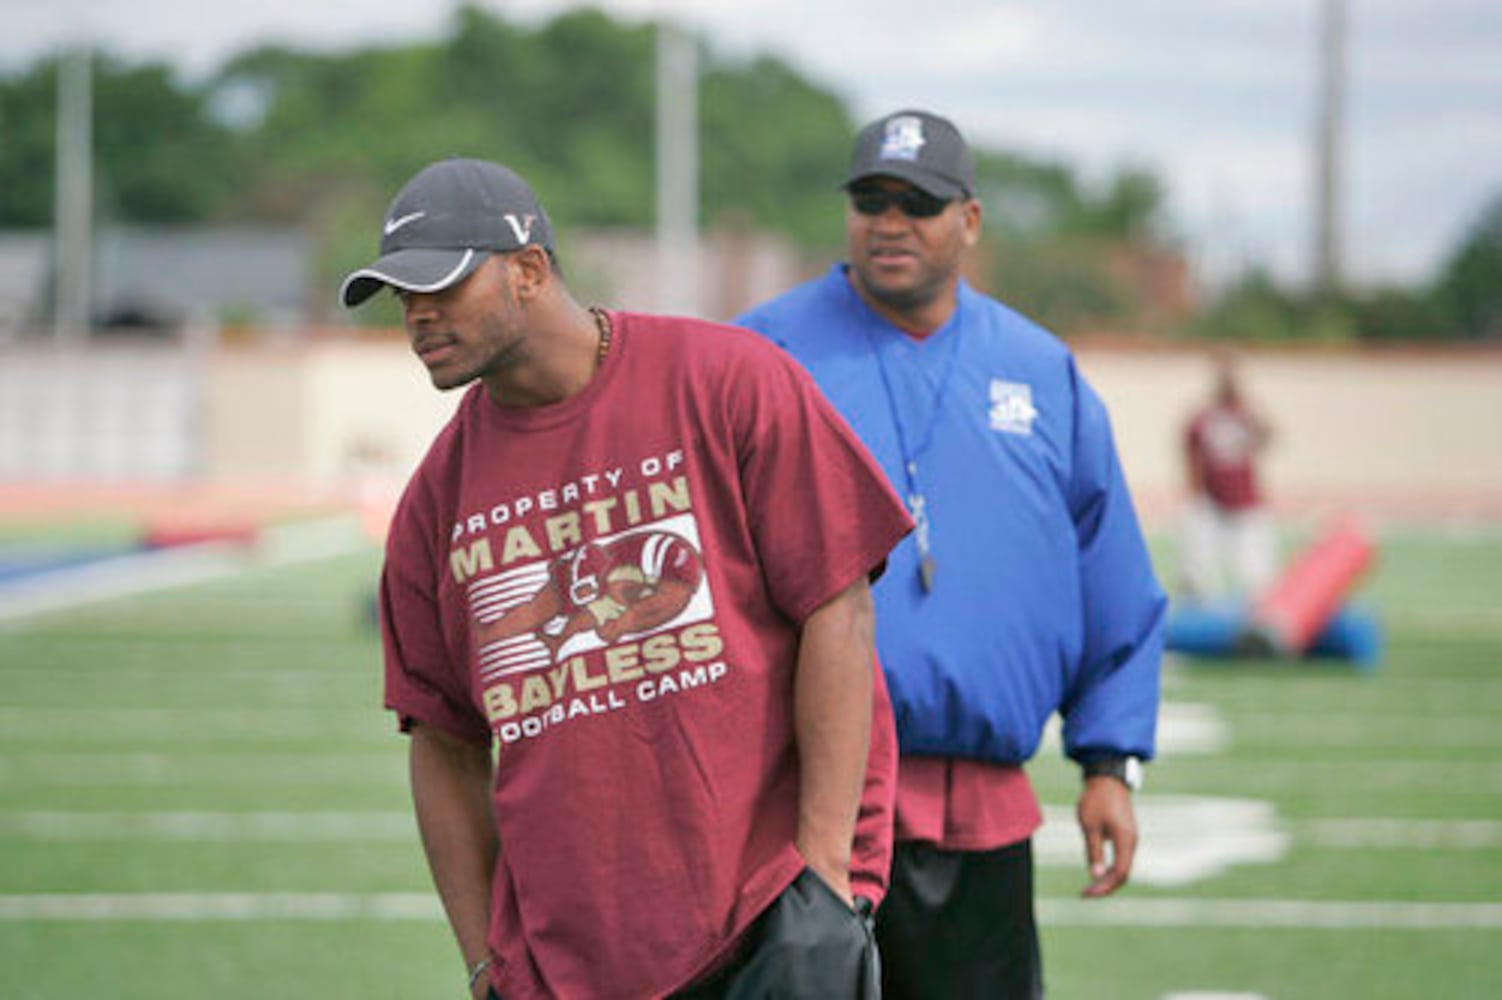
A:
677,172
1329,148
73,206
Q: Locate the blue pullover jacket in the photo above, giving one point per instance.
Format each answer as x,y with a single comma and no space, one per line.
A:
1043,596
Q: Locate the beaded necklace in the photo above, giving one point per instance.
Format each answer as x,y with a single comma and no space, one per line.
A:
602,323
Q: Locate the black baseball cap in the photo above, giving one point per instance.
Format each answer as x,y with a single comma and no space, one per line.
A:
919,147
445,222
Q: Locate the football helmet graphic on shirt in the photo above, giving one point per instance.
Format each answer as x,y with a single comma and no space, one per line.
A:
630,584
634,565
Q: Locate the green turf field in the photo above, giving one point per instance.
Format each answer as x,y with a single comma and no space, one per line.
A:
199,797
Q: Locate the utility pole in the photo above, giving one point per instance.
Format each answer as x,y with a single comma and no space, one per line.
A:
677,172
1329,148
73,206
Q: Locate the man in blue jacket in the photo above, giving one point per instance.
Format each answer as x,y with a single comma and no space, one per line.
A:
1026,588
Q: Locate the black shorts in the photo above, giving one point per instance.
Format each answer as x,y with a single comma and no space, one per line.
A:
959,925
808,945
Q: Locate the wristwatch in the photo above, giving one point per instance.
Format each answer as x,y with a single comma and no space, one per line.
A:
1123,767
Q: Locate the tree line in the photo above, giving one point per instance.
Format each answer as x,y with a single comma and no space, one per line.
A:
321,140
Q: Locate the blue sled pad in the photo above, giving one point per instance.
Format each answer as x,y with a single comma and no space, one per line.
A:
1221,630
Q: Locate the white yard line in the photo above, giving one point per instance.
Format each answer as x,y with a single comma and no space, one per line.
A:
1190,729
285,827
29,726
423,906
1373,732
1402,834
1265,914
204,906
1179,819
1260,777
1486,619
278,769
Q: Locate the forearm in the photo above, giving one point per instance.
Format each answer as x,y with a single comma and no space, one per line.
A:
832,717
451,797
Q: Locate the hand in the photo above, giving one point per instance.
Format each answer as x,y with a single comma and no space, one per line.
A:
1106,817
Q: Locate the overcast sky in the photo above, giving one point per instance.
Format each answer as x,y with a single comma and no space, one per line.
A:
1218,97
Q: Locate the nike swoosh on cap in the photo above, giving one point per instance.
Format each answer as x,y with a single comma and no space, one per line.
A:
392,225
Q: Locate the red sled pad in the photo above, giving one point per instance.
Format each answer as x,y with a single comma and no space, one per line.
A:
170,533
1287,618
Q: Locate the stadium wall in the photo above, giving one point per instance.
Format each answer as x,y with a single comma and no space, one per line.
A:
1392,431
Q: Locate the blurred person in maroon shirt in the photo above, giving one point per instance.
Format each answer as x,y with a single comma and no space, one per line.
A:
1229,542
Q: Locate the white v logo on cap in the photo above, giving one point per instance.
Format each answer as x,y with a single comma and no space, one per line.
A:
392,225
522,228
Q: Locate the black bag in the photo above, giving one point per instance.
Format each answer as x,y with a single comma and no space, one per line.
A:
808,945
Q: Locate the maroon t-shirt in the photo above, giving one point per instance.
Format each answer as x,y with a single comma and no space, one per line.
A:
958,804
646,786
1223,440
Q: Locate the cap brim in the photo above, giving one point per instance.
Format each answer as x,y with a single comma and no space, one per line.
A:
939,187
412,270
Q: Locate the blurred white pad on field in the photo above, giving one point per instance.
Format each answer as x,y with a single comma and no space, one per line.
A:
1183,838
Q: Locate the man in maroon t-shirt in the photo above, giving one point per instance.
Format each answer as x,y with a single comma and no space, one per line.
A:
1227,531
627,625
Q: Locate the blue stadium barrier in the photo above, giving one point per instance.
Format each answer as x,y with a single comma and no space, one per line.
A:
19,562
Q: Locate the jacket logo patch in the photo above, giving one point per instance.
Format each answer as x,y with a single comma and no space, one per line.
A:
1012,410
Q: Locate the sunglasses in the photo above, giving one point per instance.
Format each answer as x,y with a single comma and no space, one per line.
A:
913,203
